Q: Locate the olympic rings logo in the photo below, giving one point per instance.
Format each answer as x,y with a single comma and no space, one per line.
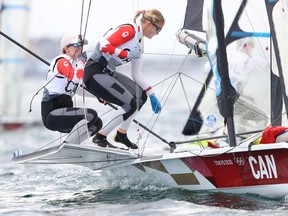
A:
239,160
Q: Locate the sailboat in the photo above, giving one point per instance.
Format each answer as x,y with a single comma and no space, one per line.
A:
12,64
240,167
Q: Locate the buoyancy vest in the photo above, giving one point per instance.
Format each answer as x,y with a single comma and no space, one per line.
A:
112,61
58,84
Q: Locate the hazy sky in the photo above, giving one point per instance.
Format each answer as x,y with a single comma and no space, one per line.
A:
54,18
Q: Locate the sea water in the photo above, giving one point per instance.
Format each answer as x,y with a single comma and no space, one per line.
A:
73,190
38,189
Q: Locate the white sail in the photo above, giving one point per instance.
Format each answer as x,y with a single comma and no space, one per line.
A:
248,66
280,19
14,22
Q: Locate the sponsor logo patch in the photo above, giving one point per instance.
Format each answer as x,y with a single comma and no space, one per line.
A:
210,120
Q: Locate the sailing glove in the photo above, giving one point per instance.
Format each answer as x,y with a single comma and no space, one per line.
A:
82,57
155,104
134,53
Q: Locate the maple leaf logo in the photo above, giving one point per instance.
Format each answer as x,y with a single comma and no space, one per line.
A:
79,73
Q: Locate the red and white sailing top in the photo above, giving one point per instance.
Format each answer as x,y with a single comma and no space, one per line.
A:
63,77
112,51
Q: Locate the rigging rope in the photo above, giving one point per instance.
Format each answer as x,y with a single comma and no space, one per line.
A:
87,19
83,40
81,17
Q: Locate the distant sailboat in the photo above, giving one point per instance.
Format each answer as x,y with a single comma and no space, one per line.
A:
13,21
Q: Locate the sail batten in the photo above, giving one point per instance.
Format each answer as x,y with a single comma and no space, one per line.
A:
242,34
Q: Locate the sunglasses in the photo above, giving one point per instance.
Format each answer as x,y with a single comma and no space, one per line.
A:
79,44
158,29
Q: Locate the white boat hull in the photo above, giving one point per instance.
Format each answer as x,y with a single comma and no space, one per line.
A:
256,169
90,156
